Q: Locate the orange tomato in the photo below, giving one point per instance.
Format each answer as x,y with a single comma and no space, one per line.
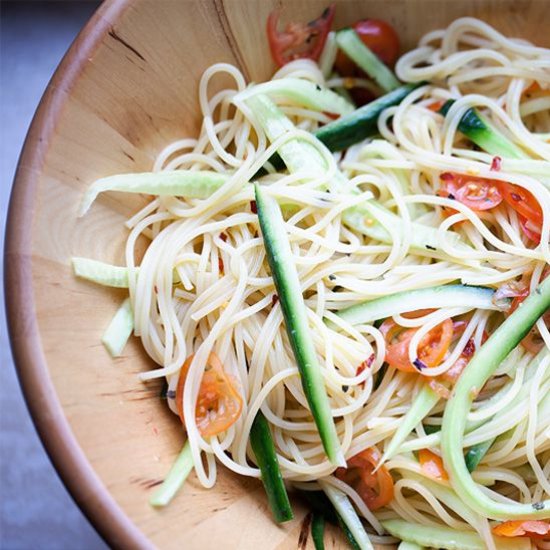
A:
431,349
219,404
432,464
375,488
536,529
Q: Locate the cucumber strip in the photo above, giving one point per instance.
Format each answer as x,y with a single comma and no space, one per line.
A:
413,300
479,130
303,92
175,479
349,516
266,457
475,454
287,283
448,538
353,47
404,545
423,403
368,218
318,531
119,330
483,364
100,272
319,503
348,534
363,122
181,183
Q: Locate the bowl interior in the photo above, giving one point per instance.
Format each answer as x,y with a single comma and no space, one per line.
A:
127,88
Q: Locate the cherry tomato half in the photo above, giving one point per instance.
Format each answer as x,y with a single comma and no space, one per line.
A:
431,464
522,201
219,404
477,193
375,488
298,40
535,529
431,349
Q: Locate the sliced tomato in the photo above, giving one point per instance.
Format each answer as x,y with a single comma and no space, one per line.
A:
375,488
522,201
431,464
436,105
533,232
431,349
536,529
477,193
219,404
298,40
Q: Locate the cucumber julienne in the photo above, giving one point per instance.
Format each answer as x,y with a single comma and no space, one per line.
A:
413,300
448,538
481,367
349,41
287,283
264,450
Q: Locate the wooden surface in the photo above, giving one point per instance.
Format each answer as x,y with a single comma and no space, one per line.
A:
127,87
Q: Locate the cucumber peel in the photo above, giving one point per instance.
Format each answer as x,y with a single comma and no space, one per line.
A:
448,538
412,300
303,92
266,457
480,131
287,283
481,367
179,183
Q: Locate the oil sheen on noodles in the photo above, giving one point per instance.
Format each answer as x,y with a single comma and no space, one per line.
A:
225,303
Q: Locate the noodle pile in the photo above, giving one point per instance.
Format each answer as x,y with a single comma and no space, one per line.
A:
204,283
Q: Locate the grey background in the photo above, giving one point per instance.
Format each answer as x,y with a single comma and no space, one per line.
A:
36,510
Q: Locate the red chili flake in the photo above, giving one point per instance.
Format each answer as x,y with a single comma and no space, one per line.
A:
469,348
447,176
223,237
496,164
253,207
516,197
274,300
364,365
332,116
220,264
156,289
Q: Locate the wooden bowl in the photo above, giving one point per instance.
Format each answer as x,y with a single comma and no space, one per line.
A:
127,87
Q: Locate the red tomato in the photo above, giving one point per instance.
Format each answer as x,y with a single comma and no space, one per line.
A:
536,529
298,40
375,488
477,193
522,201
533,233
219,404
432,464
431,349
380,38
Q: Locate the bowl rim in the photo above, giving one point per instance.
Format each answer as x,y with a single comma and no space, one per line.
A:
60,443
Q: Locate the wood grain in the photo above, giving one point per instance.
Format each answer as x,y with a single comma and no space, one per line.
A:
126,88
